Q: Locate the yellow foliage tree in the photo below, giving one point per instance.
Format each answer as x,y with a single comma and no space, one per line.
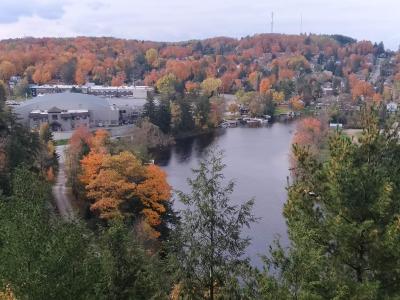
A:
166,84
278,97
211,86
152,57
296,103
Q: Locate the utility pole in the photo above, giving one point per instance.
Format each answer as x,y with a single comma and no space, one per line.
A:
272,22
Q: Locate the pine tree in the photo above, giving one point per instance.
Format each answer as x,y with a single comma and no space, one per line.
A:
163,116
210,242
343,221
149,109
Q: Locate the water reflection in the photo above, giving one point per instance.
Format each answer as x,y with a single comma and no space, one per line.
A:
185,149
257,160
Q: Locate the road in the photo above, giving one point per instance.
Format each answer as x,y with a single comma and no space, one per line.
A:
376,72
62,194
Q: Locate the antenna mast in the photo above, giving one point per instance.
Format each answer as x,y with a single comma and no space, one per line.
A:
272,22
301,23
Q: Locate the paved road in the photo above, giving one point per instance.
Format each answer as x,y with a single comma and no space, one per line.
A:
62,194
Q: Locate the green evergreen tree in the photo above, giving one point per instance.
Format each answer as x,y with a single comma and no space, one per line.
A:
131,272
150,108
3,95
210,243
163,116
42,258
202,110
187,122
22,90
343,221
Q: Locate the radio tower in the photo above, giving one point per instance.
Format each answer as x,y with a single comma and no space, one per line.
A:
301,24
272,22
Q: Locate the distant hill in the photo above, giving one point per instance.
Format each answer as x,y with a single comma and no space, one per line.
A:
112,61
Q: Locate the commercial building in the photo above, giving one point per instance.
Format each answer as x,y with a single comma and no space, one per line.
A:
58,119
66,111
138,92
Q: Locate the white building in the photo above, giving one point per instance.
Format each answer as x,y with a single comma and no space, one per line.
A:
391,107
65,111
139,92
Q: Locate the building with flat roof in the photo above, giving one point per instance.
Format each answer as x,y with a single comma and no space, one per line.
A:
59,119
134,91
66,111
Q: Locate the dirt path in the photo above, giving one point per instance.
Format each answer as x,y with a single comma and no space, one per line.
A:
62,194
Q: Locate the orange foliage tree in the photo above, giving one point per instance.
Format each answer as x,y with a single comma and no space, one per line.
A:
121,186
310,133
362,89
78,146
377,98
180,69
153,192
7,69
192,87
42,74
119,79
265,85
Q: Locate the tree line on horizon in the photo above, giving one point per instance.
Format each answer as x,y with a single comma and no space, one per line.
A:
238,63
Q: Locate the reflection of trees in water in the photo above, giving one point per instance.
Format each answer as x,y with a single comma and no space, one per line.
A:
162,156
185,148
203,142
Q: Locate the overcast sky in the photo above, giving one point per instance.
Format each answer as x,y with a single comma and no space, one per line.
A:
176,20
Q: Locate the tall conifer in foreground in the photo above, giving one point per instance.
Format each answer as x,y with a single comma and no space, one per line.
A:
343,219
211,245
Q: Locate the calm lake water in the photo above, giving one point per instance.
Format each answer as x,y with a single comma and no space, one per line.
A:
256,159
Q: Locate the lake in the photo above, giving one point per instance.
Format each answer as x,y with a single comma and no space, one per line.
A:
257,159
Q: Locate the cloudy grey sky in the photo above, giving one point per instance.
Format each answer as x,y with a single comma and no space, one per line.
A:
175,20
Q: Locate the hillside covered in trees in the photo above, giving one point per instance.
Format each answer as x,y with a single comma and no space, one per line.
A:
238,63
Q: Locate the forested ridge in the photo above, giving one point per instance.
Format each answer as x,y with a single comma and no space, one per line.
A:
239,63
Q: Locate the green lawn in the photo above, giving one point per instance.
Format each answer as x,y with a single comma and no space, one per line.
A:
281,110
61,142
